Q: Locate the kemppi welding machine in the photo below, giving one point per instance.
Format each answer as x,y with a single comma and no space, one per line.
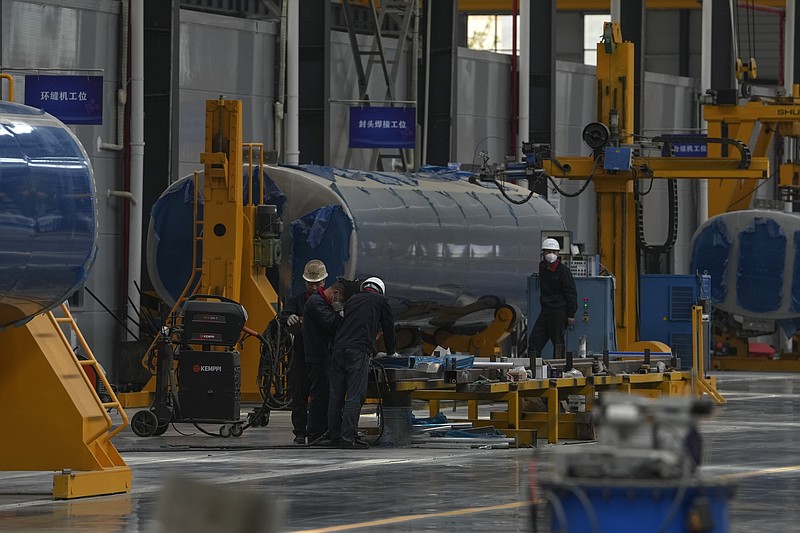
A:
202,341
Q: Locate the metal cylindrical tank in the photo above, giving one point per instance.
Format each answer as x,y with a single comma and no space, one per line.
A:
48,222
753,258
436,240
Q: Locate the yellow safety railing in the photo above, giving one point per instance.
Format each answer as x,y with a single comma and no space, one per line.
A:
700,384
104,434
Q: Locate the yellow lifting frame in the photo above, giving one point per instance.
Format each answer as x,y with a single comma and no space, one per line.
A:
616,209
228,239
229,267
763,118
54,418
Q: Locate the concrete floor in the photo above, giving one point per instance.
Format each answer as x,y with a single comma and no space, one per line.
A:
751,440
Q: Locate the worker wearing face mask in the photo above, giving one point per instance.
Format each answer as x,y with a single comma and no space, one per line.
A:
320,319
558,299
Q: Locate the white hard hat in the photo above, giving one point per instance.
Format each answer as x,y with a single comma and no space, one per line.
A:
374,283
551,244
315,271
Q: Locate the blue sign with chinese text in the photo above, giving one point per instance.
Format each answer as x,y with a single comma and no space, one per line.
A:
71,99
382,127
686,145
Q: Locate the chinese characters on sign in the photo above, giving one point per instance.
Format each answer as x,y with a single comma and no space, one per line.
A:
382,127
71,99
686,146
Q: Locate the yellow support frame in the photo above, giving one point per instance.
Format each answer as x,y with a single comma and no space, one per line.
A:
616,210
553,423
54,418
701,385
229,231
756,119
228,236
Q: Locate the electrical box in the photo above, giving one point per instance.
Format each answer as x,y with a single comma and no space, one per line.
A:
594,317
212,323
618,158
209,385
665,312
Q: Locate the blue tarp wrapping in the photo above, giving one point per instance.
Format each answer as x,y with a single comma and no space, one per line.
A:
762,253
169,243
172,227
795,305
710,255
322,234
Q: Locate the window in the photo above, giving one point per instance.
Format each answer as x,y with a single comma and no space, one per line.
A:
592,32
490,32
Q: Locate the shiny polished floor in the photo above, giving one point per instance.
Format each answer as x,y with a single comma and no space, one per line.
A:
752,440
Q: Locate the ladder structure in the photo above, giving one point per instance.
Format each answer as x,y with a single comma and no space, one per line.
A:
55,418
402,16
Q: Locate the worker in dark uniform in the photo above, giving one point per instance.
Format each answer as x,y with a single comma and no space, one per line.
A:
364,313
320,320
559,301
291,316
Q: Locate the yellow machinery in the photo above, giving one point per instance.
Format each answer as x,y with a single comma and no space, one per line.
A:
54,418
761,119
238,240
765,118
616,208
235,253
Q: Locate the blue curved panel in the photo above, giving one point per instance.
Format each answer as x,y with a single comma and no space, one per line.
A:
795,305
762,253
710,252
48,224
169,239
169,236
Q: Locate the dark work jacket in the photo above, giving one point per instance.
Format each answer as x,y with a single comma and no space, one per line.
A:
319,327
294,306
557,289
363,314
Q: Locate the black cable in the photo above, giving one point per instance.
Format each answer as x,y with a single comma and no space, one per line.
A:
507,197
636,186
583,187
477,145
276,348
374,364
115,317
672,229
764,182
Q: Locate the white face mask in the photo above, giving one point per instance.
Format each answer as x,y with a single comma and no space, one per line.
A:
550,258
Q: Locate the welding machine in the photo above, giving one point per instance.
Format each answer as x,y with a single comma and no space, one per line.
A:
203,343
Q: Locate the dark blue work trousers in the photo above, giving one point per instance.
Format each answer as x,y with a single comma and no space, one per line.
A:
318,372
300,386
549,326
349,375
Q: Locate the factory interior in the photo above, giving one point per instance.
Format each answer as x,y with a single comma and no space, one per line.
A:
174,172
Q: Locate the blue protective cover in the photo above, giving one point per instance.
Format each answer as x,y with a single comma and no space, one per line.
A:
710,254
48,221
762,252
322,234
795,304
169,249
